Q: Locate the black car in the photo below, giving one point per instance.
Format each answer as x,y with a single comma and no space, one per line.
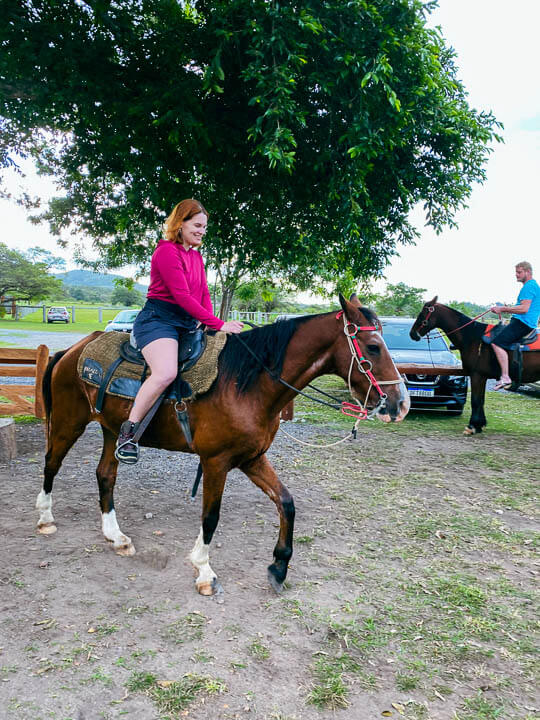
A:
426,391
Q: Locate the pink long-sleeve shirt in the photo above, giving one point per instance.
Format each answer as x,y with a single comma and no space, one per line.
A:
178,276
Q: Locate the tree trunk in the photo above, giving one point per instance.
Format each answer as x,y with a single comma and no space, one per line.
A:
226,302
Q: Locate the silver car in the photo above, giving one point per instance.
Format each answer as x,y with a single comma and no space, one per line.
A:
123,322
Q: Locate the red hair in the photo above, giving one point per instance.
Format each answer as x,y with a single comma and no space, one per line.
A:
185,210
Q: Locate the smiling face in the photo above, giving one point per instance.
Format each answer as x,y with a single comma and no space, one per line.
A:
193,231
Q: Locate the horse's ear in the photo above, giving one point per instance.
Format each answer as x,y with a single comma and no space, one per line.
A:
347,307
343,303
354,300
432,302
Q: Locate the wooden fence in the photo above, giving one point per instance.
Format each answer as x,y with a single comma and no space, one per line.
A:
23,399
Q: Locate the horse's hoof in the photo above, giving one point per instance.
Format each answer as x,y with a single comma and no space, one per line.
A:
469,431
125,550
47,528
209,588
276,586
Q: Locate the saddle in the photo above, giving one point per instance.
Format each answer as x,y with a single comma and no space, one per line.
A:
528,343
531,341
116,367
190,348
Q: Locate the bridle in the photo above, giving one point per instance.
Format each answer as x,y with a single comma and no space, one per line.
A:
365,366
356,409
431,309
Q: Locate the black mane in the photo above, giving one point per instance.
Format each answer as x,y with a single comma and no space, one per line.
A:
269,343
473,329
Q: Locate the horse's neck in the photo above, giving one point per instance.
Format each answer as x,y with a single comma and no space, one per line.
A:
458,326
309,353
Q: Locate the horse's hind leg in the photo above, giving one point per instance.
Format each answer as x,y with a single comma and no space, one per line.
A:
214,476
106,476
60,439
263,475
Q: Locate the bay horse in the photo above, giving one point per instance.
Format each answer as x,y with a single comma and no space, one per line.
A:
234,423
477,357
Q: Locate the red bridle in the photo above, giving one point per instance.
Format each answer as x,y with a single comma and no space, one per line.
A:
364,365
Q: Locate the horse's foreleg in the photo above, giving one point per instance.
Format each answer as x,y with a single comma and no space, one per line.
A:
213,483
106,477
263,475
478,395
60,440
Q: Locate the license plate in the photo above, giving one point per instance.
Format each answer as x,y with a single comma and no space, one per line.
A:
421,392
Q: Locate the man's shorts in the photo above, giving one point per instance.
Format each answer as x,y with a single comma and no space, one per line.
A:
160,319
512,333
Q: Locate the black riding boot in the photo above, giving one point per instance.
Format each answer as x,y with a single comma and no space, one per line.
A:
126,450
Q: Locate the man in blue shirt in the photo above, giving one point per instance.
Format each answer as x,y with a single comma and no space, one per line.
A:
524,319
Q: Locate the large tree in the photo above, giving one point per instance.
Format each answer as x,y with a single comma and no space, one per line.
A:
22,279
309,129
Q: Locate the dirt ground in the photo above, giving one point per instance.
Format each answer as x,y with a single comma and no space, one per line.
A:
388,530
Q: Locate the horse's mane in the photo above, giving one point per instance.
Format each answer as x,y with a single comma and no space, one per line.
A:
474,328
269,343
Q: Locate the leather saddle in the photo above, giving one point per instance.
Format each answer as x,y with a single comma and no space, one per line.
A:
190,348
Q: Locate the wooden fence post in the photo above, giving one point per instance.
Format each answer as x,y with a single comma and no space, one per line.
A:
24,363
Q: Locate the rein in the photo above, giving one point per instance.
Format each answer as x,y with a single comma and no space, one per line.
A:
431,310
353,409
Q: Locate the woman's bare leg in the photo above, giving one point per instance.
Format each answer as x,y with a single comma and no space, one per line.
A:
162,358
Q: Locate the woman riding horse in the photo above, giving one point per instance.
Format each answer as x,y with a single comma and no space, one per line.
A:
178,300
234,423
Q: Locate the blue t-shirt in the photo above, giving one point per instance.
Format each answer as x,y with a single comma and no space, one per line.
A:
530,291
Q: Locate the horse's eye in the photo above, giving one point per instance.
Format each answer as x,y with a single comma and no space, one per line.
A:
374,349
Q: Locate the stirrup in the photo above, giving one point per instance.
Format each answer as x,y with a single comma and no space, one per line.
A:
125,455
127,449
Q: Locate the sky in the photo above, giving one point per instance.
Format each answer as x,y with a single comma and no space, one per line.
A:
497,57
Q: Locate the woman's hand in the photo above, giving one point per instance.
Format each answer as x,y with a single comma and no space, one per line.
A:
232,326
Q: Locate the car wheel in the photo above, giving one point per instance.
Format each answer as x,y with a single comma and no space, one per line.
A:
49,321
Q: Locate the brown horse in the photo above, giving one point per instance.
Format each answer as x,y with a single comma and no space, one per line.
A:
478,358
234,423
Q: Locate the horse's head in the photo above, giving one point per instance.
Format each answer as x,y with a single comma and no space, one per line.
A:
364,362
425,321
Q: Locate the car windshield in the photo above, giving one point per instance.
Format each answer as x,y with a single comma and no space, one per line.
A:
126,316
60,309
396,336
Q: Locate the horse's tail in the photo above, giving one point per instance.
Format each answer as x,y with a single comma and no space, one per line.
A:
46,387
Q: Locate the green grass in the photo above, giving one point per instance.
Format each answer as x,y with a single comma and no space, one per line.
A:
505,412
186,629
172,697
86,321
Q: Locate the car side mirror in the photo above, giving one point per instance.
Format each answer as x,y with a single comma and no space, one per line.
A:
453,347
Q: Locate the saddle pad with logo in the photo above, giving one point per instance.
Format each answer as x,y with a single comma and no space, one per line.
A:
125,381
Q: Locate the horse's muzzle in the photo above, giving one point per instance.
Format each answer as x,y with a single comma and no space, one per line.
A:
396,405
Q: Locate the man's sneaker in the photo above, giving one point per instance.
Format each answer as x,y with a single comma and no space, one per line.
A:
127,451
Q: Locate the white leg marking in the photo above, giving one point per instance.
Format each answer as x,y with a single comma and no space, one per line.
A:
121,543
199,557
45,524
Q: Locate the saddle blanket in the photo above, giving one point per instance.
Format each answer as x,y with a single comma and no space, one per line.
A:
125,381
525,348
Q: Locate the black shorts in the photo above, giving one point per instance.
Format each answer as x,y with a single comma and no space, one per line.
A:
512,333
161,319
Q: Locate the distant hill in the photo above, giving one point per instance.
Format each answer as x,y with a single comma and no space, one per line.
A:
87,278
